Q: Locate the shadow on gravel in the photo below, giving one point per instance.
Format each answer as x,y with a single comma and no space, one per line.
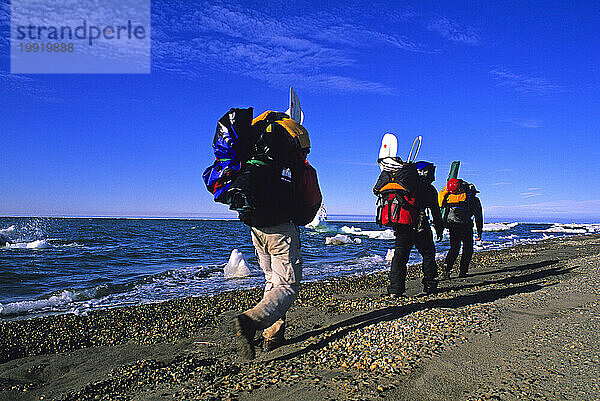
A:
528,266
517,279
341,329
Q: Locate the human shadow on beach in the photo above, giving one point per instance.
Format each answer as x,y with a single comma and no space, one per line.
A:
511,269
341,329
516,279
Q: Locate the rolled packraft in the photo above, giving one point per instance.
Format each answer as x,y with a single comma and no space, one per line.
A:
452,174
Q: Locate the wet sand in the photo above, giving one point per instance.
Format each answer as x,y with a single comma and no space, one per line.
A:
525,324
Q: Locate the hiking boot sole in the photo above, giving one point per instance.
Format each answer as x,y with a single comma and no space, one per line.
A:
245,346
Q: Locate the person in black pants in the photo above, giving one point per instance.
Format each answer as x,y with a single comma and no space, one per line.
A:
460,226
419,236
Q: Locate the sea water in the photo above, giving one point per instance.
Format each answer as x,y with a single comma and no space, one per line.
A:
75,265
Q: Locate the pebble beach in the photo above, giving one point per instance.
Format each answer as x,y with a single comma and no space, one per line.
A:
523,325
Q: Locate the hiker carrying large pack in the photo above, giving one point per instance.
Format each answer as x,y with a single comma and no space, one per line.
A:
261,169
460,198
396,196
274,190
404,192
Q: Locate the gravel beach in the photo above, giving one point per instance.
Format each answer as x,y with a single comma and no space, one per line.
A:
524,324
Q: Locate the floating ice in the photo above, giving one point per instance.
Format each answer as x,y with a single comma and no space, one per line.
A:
385,234
319,223
389,255
341,239
236,266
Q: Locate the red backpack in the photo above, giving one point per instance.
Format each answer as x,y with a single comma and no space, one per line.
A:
396,208
396,203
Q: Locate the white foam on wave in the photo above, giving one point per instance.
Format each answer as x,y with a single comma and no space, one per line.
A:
374,234
54,303
571,229
8,230
37,244
341,239
236,267
498,226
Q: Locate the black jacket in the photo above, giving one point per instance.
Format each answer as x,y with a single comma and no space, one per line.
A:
427,197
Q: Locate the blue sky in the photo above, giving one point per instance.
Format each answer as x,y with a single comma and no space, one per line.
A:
509,89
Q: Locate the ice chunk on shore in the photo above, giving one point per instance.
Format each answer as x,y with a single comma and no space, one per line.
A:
236,266
341,239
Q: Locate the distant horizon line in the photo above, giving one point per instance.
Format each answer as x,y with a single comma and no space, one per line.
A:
363,218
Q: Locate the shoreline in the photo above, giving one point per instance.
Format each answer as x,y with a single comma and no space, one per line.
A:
248,287
173,347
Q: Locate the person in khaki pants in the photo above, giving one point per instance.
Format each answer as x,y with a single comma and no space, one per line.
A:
292,200
278,252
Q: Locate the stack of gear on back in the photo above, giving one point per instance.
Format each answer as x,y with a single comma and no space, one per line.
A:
261,169
457,196
396,196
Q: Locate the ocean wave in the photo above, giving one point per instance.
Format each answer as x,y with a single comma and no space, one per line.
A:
8,230
571,229
51,304
142,290
499,226
37,244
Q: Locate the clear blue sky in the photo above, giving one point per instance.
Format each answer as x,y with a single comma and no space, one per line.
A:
509,88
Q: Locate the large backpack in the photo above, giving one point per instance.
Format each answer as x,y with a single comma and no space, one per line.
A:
233,144
396,197
458,205
273,182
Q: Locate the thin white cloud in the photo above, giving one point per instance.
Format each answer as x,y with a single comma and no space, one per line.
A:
530,194
453,31
314,51
278,51
525,123
523,83
501,183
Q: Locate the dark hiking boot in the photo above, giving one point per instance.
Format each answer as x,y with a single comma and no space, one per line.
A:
430,288
245,330
462,275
